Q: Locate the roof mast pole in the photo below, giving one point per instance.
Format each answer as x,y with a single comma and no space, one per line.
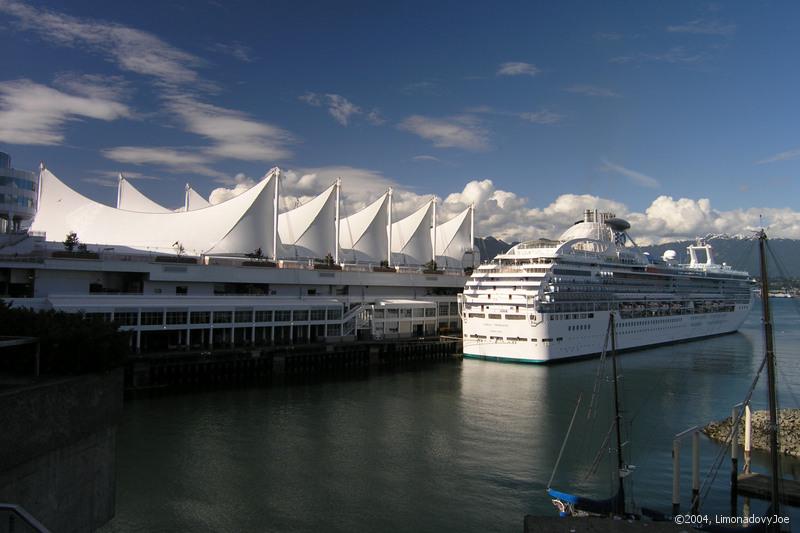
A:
433,233
389,231
472,232
119,188
338,197
186,198
277,177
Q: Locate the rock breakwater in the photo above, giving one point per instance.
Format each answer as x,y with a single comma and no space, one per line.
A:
788,434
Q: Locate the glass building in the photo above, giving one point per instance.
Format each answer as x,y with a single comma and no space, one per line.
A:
18,193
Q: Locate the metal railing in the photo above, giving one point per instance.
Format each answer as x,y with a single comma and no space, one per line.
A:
15,519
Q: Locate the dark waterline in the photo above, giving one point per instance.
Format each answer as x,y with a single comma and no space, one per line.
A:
451,447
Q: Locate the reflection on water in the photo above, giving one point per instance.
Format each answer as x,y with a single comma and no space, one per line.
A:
464,446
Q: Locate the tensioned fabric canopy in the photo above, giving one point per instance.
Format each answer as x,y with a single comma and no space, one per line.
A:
363,236
454,239
193,200
237,226
411,237
309,231
130,198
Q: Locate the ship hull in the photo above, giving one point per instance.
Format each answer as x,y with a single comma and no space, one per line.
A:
582,338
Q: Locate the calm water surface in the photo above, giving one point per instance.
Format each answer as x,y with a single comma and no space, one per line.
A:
466,446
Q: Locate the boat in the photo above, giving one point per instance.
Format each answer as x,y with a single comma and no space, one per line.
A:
569,504
550,300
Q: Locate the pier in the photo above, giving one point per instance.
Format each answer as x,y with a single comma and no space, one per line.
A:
276,364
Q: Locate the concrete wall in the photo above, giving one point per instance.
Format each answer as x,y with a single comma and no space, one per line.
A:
57,450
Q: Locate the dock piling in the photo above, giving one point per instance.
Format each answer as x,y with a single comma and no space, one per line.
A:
695,472
676,476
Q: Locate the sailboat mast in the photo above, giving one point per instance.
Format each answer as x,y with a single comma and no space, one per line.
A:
770,355
620,503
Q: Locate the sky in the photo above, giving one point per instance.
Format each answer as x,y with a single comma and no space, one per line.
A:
680,116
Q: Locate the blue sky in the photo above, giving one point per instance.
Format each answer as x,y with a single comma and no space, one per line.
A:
533,110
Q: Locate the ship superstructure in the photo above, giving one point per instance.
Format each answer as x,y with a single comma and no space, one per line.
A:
548,300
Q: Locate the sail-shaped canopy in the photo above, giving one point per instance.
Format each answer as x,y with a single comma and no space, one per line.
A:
237,226
309,231
411,237
454,240
363,236
193,200
130,198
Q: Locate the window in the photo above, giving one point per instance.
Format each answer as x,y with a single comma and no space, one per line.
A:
444,309
152,318
477,315
222,317
493,316
317,314
283,316
379,313
181,290
106,317
430,312
301,315
243,316
515,317
334,330
176,317
200,317
405,313
334,313
392,313
263,316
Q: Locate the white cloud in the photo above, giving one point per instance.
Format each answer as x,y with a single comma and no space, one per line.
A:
131,49
634,176
704,27
517,68
240,184
171,159
234,134
782,156
504,214
675,55
463,131
543,116
375,118
235,49
425,158
591,90
31,113
341,108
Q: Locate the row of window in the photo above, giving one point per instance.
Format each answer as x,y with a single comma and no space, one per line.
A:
405,312
513,339
24,184
20,201
156,318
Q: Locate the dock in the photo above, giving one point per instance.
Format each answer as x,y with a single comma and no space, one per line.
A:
759,486
276,364
594,524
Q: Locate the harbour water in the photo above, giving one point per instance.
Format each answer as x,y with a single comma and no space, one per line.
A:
463,446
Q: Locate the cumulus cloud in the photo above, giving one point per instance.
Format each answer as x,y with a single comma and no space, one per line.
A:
507,215
31,113
517,68
463,131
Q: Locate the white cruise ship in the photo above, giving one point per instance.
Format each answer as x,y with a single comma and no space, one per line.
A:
545,301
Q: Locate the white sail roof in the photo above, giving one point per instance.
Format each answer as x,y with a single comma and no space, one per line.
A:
237,226
309,231
454,239
193,200
363,236
130,198
411,237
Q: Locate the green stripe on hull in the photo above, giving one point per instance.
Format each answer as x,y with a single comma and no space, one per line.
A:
504,359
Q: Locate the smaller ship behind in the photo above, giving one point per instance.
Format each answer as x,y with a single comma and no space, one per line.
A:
550,300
